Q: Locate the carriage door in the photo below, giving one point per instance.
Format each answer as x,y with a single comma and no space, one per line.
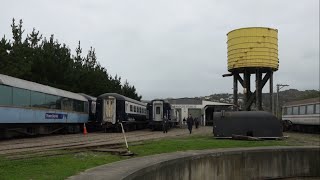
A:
157,110
110,110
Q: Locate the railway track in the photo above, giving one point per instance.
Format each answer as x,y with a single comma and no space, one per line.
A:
65,144
75,143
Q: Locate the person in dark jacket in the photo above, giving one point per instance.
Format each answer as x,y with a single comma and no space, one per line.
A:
165,125
190,123
196,122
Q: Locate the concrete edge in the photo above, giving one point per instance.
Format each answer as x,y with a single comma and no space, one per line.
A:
125,168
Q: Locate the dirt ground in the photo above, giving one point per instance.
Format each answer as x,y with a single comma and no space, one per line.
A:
97,139
302,139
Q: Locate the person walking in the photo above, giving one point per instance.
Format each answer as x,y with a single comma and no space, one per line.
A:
196,122
202,121
190,123
165,125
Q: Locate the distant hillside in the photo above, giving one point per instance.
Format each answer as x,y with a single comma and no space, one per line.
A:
284,96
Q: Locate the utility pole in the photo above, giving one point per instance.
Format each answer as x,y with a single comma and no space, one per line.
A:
279,86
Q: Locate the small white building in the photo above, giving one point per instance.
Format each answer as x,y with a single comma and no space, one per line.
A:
198,108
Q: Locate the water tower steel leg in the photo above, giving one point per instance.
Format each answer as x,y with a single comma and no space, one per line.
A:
239,78
247,91
258,90
261,85
277,102
235,91
271,91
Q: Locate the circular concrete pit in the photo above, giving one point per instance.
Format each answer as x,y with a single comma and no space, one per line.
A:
238,163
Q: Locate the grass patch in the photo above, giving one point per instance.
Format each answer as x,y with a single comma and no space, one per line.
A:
57,167
63,166
197,143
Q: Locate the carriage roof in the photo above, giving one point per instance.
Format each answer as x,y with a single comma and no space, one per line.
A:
121,97
28,85
302,102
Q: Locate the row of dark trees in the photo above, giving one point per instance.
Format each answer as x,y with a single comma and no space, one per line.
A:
46,61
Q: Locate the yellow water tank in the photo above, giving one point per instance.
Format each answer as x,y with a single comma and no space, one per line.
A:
253,47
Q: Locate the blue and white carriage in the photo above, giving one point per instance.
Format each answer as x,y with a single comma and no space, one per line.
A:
302,115
31,108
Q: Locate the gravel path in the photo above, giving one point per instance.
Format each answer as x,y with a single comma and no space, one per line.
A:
302,139
98,139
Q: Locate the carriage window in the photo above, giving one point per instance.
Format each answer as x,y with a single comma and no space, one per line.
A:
295,110
78,106
135,108
93,107
158,110
310,109
51,101
284,111
317,108
289,110
67,104
5,95
37,99
86,108
21,97
302,110
131,108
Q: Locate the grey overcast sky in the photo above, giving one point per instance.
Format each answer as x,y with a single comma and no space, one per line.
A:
175,48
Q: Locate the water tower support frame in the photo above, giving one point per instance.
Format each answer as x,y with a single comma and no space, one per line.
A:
256,96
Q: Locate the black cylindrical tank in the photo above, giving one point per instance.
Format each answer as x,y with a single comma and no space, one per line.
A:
246,123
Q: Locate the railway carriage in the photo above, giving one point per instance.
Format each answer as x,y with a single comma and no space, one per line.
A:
92,106
158,111
303,115
113,108
28,108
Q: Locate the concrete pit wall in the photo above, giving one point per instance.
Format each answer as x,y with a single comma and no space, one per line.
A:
240,163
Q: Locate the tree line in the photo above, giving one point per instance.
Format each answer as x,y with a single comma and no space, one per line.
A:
46,61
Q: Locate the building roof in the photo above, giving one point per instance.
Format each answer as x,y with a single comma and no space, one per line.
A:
193,101
23,84
211,103
197,101
304,101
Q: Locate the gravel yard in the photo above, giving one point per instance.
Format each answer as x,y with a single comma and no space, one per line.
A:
97,139
302,139
61,156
